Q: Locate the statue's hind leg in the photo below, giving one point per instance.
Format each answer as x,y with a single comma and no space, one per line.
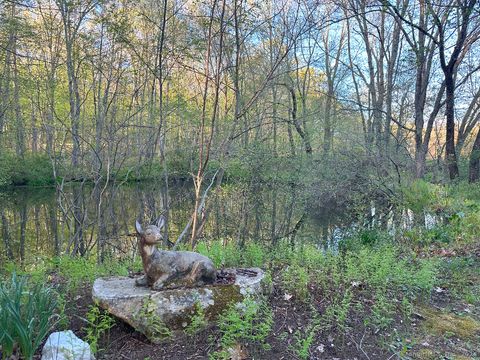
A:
197,274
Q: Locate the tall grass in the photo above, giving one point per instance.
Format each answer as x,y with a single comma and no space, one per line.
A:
26,315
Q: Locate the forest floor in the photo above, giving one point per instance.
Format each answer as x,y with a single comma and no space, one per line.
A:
445,325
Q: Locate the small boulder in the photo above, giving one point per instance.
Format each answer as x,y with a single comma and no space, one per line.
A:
64,345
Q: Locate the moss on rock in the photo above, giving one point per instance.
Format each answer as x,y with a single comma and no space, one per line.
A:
445,324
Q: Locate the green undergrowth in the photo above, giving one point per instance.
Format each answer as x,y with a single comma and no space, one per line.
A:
27,314
72,272
378,283
248,322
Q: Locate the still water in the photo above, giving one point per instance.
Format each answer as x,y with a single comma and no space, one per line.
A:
81,219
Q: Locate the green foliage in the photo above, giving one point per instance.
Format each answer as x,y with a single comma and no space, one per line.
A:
382,312
7,166
250,321
197,321
153,326
98,323
462,276
418,195
383,267
295,281
26,315
253,255
80,270
222,254
32,170
303,340
228,254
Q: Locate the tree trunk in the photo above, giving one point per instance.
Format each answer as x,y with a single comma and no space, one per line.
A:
450,154
474,166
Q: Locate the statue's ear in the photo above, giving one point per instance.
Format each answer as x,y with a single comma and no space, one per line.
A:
161,222
138,227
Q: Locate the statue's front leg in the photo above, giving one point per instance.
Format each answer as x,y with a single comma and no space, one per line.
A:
142,281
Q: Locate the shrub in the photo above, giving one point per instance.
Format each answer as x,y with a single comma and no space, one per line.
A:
418,195
33,170
26,315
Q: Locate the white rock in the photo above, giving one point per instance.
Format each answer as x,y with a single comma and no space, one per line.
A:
64,345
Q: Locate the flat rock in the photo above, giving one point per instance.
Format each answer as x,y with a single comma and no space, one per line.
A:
64,345
154,313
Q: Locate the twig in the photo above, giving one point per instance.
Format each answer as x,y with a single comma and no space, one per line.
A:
359,346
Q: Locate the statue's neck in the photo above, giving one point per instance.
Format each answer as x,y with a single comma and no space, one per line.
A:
146,252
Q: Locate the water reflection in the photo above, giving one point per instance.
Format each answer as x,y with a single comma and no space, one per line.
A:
82,219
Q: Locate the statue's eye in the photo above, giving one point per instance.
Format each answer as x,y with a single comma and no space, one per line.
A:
149,232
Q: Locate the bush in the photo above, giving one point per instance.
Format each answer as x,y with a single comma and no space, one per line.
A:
26,315
418,195
32,170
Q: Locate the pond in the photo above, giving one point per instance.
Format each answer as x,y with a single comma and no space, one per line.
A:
39,223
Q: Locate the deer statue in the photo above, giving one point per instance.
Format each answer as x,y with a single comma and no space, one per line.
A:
170,269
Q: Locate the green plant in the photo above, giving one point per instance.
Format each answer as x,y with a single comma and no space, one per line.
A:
249,321
253,255
98,323
26,315
303,340
197,321
336,313
80,270
222,253
418,195
382,312
295,280
153,326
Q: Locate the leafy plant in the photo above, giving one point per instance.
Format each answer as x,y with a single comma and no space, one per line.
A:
295,280
249,321
153,326
98,323
197,321
26,315
303,340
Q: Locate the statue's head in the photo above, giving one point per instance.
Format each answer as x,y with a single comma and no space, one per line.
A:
152,234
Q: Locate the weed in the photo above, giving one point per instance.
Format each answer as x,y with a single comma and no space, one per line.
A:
304,340
153,326
253,255
295,281
336,313
382,312
249,321
197,321
98,323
